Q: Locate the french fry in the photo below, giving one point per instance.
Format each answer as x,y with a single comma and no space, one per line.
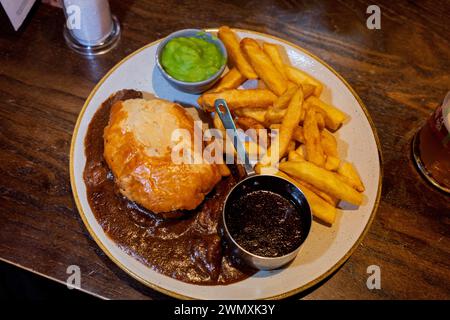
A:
248,123
302,115
301,151
334,117
319,207
291,146
314,151
231,80
322,179
331,200
254,150
263,67
236,98
319,110
290,121
298,135
320,120
273,52
332,163
283,101
295,156
231,42
275,114
308,90
290,84
329,143
348,171
255,113
299,77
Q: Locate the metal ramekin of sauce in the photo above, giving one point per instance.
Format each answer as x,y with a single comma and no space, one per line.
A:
266,218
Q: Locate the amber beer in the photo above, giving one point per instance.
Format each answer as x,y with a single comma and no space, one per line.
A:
431,147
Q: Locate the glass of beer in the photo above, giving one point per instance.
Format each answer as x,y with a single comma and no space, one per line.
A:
431,147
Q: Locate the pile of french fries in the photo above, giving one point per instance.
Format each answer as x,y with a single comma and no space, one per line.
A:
288,99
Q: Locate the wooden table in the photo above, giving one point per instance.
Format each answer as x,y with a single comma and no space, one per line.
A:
401,73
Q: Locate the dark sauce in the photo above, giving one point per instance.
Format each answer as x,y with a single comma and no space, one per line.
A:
188,246
265,223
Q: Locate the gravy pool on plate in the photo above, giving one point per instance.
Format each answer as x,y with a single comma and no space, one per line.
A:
189,248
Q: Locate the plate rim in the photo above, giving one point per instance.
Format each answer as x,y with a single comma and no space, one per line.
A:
173,294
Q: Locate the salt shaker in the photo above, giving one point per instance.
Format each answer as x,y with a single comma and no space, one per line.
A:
90,27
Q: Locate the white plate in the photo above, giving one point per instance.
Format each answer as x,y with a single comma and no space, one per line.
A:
326,248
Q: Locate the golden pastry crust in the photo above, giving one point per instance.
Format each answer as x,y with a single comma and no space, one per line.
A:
138,148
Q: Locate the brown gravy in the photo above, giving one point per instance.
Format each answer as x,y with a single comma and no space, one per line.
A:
189,248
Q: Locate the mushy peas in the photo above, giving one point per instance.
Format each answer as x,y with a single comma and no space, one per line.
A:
191,59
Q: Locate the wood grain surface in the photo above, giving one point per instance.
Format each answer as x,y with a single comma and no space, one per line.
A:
401,72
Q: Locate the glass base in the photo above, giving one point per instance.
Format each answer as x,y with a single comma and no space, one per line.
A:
108,44
421,166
